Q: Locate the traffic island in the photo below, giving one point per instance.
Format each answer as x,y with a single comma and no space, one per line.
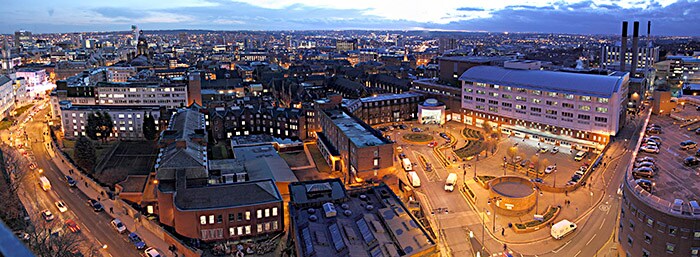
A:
512,196
418,137
538,223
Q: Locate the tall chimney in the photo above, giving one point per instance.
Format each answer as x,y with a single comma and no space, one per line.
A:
635,48
623,47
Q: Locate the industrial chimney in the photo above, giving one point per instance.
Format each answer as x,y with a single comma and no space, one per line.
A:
635,48
623,47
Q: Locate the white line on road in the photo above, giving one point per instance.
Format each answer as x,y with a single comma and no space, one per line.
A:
579,252
601,224
590,240
562,247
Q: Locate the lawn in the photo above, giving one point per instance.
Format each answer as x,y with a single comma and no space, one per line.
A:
321,164
418,137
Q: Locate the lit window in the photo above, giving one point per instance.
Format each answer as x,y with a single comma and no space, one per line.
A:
260,228
274,225
267,226
240,230
203,220
274,213
259,213
247,230
267,213
211,219
232,231
247,215
376,162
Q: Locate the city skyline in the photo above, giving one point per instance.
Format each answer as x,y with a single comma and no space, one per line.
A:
574,17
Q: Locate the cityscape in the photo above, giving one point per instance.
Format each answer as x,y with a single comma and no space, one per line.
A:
320,128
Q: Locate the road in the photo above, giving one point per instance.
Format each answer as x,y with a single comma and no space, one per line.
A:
95,226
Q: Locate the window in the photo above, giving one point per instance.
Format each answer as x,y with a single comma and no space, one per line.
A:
376,161
247,215
601,109
203,220
645,253
274,211
468,98
567,114
629,240
260,228
231,217
672,230
585,98
552,112
507,96
535,109
267,212
584,107
536,92
211,219
670,247
567,105
521,107
507,104
520,98
274,225
493,94
568,96
247,230
535,100
584,117
481,92
232,231
219,218
259,213
631,225
603,100
694,251
552,94
493,109
550,103
601,119
240,216
240,230
493,102
647,238
482,100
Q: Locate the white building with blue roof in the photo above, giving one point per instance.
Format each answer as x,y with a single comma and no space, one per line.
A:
561,108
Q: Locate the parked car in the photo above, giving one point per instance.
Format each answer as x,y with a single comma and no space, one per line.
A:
118,225
47,215
550,169
646,159
655,138
691,161
151,252
543,149
645,172
697,131
401,126
688,144
697,153
653,125
517,159
524,163
650,143
645,184
575,178
96,205
61,206
536,180
417,130
649,149
580,155
580,172
32,166
432,144
72,226
554,150
645,164
71,182
654,130
445,136
137,241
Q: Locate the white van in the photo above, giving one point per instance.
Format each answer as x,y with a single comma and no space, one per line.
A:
450,182
562,228
580,155
44,183
406,163
413,179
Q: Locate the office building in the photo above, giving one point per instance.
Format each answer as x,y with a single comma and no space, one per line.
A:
7,96
345,45
168,95
385,108
352,147
128,120
449,96
447,44
32,76
562,108
328,220
23,39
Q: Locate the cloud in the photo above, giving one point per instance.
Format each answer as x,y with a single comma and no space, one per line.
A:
470,9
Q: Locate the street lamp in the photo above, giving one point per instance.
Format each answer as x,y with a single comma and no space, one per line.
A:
504,165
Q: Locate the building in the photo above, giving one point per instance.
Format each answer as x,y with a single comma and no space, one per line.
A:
610,57
33,76
168,95
23,39
351,146
128,120
663,222
327,220
385,108
345,45
451,67
209,200
447,44
227,122
432,112
7,96
389,84
571,109
119,74
450,96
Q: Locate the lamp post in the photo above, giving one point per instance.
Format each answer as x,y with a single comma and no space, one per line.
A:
505,161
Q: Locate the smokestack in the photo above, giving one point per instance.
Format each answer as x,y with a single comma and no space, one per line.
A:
648,28
623,47
635,48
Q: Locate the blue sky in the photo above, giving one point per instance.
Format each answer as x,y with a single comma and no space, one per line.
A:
669,17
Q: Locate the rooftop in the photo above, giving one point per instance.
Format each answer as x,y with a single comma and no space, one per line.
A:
550,81
226,195
383,97
358,132
370,221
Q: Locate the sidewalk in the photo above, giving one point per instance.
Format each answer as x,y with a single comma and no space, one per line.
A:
109,206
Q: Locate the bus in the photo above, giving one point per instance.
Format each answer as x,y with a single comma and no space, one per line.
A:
406,163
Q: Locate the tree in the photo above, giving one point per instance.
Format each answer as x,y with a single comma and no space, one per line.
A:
99,126
84,154
45,240
150,131
535,161
512,152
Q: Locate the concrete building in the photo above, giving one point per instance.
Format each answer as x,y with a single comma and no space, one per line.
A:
561,108
447,44
351,146
385,108
33,76
170,95
210,201
327,220
611,54
128,120
345,45
7,96
119,74
452,67
23,39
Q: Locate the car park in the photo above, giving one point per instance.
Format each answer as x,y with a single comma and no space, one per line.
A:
688,144
47,215
645,172
118,225
550,169
61,206
646,159
649,149
136,241
645,184
554,150
645,164
691,161
72,226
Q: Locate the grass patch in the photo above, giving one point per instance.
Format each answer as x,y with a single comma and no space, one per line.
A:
534,223
321,164
475,143
418,137
68,143
22,109
295,159
219,151
5,124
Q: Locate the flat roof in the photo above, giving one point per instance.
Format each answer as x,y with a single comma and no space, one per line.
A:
369,221
354,129
382,97
227,195
550,81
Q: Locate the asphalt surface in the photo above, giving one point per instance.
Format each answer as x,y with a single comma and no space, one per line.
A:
95,225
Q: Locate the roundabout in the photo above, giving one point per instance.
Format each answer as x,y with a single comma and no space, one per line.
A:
418,137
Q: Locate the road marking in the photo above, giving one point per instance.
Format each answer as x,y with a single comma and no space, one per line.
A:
579,252
589,240
601,224
562,247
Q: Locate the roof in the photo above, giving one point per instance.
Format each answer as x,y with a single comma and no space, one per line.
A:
382,97
227,195
4,79
183,149
369,221
357,131
550,81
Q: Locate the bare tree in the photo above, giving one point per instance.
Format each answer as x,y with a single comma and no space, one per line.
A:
51,239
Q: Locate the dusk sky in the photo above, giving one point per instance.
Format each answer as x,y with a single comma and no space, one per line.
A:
669,17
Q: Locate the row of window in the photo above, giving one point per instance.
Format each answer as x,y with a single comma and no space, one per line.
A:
538,110
141,89
533,92
245,230
538,101
240,216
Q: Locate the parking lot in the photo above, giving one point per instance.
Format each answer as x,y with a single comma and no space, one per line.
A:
674,180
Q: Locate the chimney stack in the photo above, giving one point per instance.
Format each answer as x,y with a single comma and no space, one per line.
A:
635,49
623,47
